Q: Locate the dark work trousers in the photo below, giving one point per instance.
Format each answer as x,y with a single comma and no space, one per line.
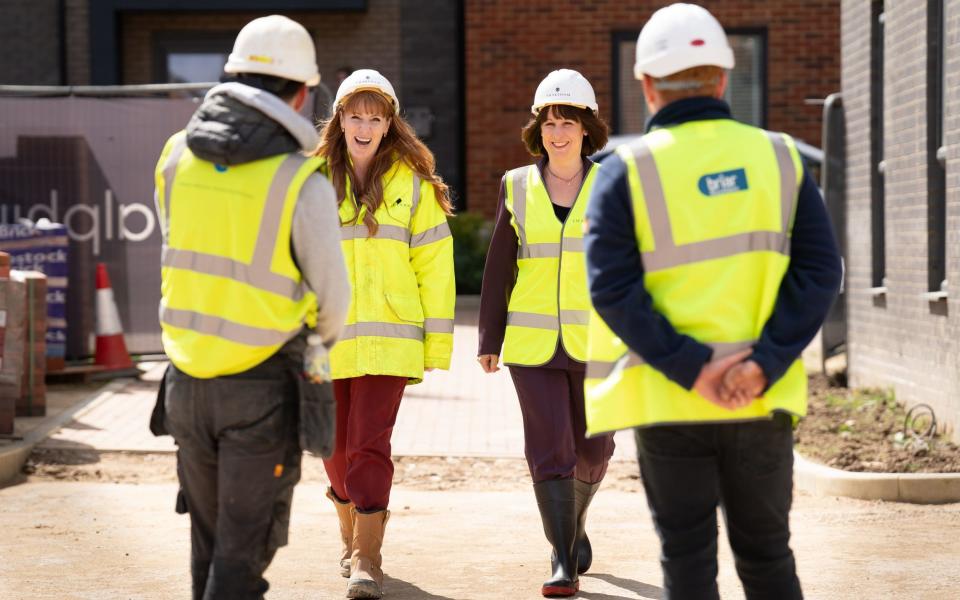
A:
361,469
238,461
551,402
747,469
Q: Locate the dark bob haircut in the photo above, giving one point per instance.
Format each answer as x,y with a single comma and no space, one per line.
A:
597,130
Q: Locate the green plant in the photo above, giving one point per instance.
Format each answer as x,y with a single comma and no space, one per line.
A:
471,238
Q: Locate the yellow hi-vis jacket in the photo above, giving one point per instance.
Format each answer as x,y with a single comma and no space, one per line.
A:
231,294
549,301
713,204
401,312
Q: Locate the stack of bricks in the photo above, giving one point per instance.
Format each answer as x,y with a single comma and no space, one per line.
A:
23,302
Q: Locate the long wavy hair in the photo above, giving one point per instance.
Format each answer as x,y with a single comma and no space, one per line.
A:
400,144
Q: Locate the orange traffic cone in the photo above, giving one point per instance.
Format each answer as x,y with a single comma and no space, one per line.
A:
111,349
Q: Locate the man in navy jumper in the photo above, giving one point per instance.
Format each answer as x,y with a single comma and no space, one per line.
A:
689,469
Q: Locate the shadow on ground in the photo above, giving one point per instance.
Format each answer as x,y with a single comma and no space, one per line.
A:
644,590
399,589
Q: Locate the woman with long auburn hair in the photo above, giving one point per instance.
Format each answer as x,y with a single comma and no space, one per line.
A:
399,254
534,304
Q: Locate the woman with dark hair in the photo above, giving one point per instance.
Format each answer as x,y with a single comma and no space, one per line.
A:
399,255
535,304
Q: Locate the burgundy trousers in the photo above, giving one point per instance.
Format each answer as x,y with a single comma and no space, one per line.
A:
552,404
361,469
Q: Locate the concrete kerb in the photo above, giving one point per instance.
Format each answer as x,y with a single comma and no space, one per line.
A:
917,488
12,457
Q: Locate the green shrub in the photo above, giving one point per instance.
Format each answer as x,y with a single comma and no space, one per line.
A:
471,238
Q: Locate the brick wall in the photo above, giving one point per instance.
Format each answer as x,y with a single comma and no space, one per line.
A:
511,46
29,42
77,41
414,44
369,39
901,340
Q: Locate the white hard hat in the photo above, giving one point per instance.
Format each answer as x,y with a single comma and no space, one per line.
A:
679,37
564,86
276,46
366,79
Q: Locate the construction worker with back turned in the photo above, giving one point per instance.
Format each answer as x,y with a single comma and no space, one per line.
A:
252,267
712,264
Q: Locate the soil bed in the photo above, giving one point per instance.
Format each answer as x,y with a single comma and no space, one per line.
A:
864,430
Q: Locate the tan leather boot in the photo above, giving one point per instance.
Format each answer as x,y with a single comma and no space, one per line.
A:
366,577
346,530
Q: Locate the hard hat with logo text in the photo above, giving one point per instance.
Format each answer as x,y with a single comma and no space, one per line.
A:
564,86
679,37
276,46
367,79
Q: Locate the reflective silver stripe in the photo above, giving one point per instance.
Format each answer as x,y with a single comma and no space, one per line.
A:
542,250
258,273
574,317
519,185
752,241
667,254
535,320
434,234
788,179
416,197
376,329
169,170
384,232
223,328
221,266
438,325
653,196
273,212
573,244
599,369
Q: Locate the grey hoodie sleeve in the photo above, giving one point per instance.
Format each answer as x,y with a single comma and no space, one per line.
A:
316,248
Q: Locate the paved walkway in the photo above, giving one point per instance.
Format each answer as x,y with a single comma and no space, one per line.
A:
460,412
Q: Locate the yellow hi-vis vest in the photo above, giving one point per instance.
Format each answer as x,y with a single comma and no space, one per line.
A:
713,204
402,280
231,293
550,299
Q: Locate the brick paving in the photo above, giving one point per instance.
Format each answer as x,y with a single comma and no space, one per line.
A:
460,412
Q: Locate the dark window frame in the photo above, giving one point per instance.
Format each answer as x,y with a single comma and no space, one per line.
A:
620,36
105,22
177,41
877,187
936,152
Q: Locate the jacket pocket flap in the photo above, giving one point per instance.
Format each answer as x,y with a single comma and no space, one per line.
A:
407,308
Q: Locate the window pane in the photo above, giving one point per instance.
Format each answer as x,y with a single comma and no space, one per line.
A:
745,91
633,108
194,67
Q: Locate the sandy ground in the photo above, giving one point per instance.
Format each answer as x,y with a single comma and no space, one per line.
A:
460,529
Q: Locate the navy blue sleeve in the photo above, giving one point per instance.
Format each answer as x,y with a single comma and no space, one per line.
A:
615,274
808,289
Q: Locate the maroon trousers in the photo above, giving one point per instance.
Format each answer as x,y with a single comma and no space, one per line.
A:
552,404
360,469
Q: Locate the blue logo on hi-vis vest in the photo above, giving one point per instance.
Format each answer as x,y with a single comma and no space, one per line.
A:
220,168
715,184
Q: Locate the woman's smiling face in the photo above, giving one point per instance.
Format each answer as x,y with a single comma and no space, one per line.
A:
363,130
561,137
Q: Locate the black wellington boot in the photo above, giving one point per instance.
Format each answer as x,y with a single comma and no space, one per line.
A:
584,494
557,503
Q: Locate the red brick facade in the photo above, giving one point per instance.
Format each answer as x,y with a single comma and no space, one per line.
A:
511,45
